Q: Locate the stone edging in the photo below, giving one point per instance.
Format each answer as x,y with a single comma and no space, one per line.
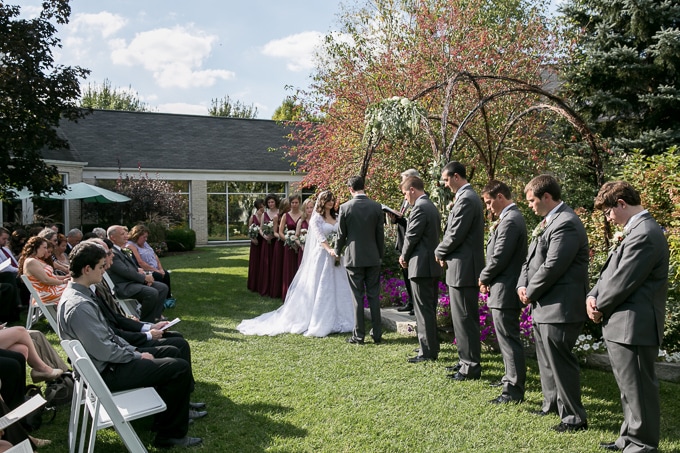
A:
664,371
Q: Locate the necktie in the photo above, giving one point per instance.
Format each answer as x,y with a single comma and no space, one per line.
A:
9,255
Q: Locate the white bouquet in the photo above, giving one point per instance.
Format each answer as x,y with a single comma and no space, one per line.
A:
253,231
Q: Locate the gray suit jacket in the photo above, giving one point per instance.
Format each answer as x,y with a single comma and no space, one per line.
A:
555,272
124,274
631,291
361,230
421,238
505,254
463,244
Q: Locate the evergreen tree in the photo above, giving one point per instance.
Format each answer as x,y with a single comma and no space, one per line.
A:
225,107
622,70
107,98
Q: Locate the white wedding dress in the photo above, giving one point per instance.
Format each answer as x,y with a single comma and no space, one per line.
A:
319,300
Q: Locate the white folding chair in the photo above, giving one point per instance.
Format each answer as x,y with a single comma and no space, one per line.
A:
39,308
106,409
21,447
129,306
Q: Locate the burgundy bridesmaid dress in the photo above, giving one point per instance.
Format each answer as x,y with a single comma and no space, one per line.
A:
290,260
254,260
266,253
304,226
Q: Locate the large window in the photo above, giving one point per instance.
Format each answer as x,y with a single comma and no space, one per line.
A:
230,204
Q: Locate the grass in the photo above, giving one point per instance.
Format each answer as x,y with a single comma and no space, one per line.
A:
296,394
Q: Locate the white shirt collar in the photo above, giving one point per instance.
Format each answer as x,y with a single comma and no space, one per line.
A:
553,212
505,210
630,221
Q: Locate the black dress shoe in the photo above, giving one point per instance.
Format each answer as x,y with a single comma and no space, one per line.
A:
505,399
420,358
568,427
353,340
169,442
454,369
196,406
412,313
540,412
195,415
407,307
461,377
496,384
609,446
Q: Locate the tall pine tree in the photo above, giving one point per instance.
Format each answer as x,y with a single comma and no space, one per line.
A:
622,71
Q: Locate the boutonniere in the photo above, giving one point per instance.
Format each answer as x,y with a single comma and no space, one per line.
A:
618,237
538,231
493,226
127,251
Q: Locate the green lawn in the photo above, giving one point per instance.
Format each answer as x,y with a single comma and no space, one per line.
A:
295,394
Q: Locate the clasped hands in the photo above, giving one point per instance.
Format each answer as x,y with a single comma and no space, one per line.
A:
593,312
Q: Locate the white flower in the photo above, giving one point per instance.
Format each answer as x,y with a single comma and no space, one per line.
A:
581,338
586,346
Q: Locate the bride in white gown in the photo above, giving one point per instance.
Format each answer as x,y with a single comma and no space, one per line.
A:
319,300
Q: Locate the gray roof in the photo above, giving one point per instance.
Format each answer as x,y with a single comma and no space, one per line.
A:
110,138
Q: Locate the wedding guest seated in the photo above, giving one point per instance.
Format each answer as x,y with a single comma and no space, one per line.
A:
73,237
17,241
52,238
59,255
9,291
33,263
18,340
148,259
121,365
131,281
100,232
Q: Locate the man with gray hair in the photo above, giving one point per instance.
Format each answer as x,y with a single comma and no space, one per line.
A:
73,237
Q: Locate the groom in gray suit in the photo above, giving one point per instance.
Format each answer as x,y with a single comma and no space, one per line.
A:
554,280
505,253
630,301
417,255
462,251
361,234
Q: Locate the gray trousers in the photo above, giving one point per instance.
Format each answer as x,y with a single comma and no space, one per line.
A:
506,322
559,370
425,308
366,280
633,368
465,317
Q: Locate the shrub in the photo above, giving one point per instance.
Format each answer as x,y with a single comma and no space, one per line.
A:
180,239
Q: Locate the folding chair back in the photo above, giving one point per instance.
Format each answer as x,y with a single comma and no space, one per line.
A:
40,308
129,306
105,408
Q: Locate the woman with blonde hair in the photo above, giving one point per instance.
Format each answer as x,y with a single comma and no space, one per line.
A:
147,258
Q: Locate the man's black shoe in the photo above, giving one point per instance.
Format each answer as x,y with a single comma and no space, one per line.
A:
420,358
505,399
454,369
352,340
461,377
407,307
194,415
609,446
196,406
496,384
169,442
540,412
412,313
567,427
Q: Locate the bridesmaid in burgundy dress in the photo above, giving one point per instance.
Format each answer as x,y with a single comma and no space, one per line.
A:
288,223
303,224
255,246
267,251
276,271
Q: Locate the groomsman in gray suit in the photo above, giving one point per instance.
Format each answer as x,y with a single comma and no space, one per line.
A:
462,251
505,253
554,280
417,255
361,233
630,301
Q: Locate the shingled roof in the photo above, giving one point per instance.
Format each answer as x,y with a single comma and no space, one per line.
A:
110,138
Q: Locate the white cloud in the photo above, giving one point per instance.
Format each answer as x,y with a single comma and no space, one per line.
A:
104,24
173,55
180,107
298,49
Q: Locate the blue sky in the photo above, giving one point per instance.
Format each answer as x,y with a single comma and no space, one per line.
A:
178,55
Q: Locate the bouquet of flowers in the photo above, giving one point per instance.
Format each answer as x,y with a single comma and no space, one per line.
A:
290,239
253,231
303,236
267,228
332,240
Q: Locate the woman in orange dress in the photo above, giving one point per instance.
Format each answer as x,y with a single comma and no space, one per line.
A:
34,263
